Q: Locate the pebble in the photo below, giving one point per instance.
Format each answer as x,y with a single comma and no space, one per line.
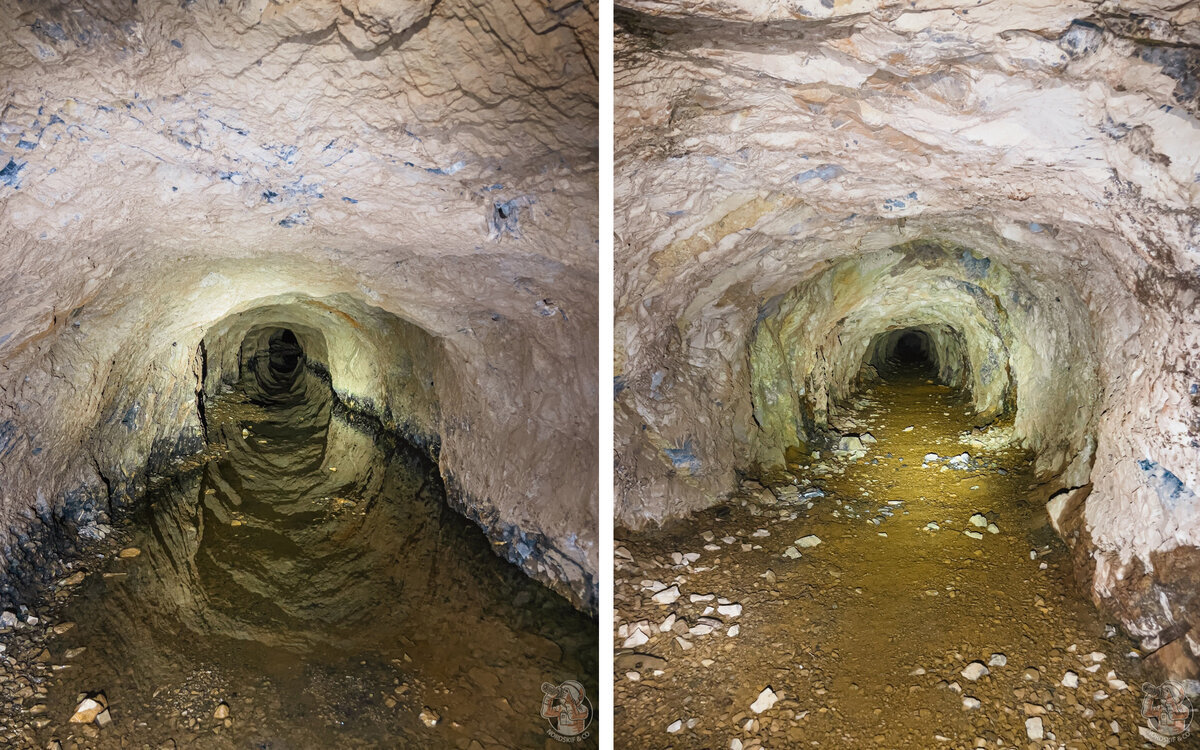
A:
970,703
730,610
1071,680
667,596
792,553
975,670
130,552
1033,728
812,540
88,709
979,520
998,660
675,726
973,534
766,699
429,717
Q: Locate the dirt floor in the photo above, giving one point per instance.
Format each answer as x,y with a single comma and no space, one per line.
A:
737,628
307,587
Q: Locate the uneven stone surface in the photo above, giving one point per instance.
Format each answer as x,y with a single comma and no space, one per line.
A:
1016,181
412,186
888,634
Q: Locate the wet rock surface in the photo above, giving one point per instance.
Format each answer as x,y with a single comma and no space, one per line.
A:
307,587
897,630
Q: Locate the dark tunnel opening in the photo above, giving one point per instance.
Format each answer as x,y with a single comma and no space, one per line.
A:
912,349
935,352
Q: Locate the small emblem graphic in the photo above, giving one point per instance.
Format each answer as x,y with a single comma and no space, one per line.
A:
1166,708
567,709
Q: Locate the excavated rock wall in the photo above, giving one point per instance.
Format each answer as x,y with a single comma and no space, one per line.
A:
794,179
411,185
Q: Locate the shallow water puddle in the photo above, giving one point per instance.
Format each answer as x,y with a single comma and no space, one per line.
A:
311,588
863,603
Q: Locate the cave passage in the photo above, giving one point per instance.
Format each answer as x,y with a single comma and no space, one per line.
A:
313,578
920,352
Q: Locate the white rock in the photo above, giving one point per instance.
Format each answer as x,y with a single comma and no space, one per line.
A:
973,534
975,670
675,726
735,744
1071,680
684,643
761,533
667,624
733,630
970,703
765,700
993,528
667,596
1033,728
730,610
701,597
979,520
791,552
87,711
998,660
812,540
637,638
931,457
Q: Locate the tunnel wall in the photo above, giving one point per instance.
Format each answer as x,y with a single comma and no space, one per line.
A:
429,170
759,148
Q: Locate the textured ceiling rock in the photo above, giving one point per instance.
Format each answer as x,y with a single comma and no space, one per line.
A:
388,175
795,178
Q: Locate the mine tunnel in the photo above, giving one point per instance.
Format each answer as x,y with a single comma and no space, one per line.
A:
906,410
294,450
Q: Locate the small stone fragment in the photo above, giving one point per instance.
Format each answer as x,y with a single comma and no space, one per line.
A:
1033,728
766,699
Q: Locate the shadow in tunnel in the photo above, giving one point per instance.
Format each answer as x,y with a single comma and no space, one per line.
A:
315,565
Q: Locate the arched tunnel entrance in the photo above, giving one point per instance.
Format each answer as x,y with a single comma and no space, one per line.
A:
933,352
311,559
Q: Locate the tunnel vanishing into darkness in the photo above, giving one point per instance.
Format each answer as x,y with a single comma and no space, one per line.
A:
802,196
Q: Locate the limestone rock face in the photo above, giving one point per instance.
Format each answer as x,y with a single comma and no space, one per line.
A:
409,185
1019,180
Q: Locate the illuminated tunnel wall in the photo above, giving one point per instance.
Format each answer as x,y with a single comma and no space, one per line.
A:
416,202
1020,180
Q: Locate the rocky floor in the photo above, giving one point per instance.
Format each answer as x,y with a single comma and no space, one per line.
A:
305,588
899,593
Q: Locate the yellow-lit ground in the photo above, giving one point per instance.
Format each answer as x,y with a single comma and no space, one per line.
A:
865,636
